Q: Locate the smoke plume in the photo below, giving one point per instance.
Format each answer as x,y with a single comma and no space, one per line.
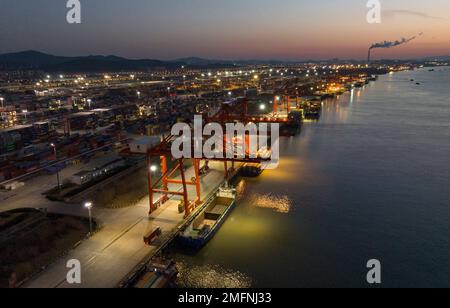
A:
388,44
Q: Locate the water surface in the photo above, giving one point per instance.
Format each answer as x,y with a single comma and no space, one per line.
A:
370,180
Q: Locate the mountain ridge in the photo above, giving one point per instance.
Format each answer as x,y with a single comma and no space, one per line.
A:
36,60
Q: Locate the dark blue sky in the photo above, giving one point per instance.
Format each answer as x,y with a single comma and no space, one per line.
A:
284,29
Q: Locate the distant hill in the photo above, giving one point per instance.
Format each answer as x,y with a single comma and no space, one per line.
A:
35,60
29,59
201,61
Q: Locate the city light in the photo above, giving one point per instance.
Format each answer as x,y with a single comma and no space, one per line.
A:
153,168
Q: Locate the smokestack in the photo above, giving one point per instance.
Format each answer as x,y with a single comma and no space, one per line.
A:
369,55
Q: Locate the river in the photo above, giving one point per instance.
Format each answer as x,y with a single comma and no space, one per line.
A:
370,180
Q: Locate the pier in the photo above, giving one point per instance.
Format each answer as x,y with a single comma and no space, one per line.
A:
121,243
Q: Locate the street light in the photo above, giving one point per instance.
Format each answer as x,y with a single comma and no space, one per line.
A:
262,107
153,168
25,112
57,169
89,205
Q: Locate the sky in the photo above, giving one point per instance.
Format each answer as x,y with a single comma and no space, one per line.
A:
226,29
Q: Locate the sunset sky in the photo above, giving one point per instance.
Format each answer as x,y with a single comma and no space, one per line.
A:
225,29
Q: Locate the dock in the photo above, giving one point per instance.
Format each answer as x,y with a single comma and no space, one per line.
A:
118,249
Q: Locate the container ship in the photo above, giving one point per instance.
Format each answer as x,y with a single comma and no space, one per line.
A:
206,224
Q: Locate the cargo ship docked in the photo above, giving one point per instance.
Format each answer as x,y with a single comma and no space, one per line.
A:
206,224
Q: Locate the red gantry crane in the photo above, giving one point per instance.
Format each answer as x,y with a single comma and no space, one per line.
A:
230,112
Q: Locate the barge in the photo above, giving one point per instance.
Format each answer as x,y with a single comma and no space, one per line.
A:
157,274
208,222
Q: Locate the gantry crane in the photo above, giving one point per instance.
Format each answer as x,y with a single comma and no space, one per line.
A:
230,112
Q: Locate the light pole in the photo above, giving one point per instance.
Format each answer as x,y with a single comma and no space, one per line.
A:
57,168
25,112
89,205
2,114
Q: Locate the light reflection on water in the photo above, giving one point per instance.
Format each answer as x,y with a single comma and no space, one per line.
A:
274,202
210,276
280,204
